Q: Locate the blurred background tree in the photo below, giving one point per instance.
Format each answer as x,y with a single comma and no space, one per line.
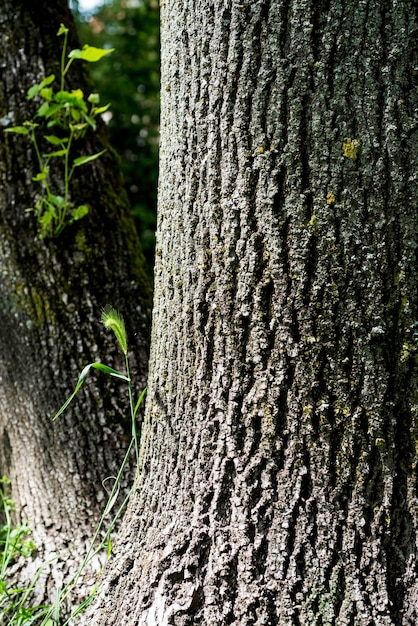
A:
129,81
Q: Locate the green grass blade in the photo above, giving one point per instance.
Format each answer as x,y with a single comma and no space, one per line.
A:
87,159
140,399
82,378
80,382
113,497
110,371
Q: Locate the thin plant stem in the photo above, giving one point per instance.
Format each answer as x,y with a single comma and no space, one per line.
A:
133,413
67,173
92,551
63,67
42,165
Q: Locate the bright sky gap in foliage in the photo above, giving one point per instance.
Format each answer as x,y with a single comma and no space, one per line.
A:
88,6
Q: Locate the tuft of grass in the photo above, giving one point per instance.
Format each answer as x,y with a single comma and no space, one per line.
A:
15,606
101,541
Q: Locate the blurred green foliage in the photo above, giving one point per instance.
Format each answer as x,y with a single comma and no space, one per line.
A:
129,81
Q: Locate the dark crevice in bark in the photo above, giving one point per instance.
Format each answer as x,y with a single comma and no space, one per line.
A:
319,392
253,481
258,35
291,81
235,69
261,64
241,429
340,590
291,536
295,329
256,434
203,306
319,15
399,541
283,20
285,254
230,588
310,267
267,296
278,199
226,17
305,149
283,407
223,505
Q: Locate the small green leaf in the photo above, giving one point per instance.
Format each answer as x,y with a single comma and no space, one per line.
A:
75,54
62,30
19,130
75,115
78,127
43,109
57,153
41,176
87,159
49,213
56,141
46,93
57,201
71,99
80,212
35,89
94,98
63,96
53,109
98,110
46,219
47,81
89,53
77,94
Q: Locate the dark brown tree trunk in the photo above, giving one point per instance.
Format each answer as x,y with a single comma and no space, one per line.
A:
278,480
51,295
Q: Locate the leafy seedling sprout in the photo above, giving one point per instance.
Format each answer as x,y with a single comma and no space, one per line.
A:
62,118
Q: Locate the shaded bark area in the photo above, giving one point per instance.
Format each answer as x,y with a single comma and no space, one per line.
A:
279,481
51,295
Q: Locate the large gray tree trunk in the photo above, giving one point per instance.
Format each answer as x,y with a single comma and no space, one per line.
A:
51,295
279,481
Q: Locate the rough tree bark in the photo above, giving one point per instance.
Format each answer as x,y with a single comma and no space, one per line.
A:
51,295
279,452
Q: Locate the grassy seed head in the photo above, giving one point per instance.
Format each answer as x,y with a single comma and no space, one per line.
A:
113,320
